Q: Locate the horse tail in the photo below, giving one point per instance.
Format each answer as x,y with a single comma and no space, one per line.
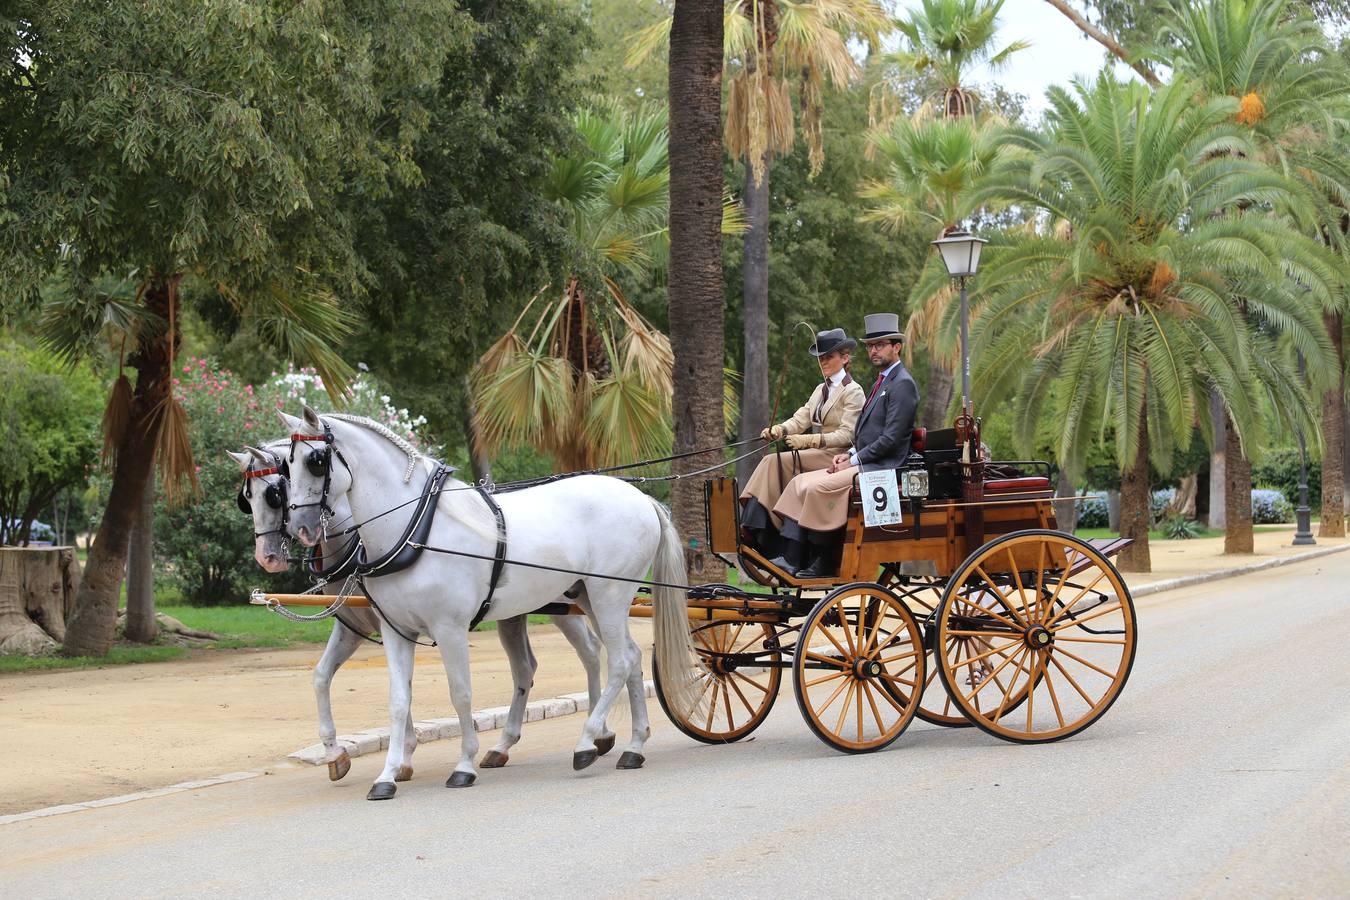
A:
676,658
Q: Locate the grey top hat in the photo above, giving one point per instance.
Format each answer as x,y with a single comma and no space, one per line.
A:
830,341
882,326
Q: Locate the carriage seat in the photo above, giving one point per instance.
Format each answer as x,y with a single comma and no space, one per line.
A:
1017,485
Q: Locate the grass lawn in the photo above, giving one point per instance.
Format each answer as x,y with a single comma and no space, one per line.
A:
116,657
1086,533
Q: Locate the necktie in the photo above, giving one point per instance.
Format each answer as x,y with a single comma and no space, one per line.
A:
825,394
875,388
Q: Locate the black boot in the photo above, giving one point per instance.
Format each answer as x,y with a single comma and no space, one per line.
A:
794,552
824,547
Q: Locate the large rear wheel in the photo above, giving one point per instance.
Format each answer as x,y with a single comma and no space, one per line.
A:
1053,632
857,668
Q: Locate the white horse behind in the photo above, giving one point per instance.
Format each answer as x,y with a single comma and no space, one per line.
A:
271,553
584,524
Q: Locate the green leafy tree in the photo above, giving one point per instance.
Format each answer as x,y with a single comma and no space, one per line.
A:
1118,308
218,151
48,429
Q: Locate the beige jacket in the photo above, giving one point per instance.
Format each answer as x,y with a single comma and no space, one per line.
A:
837,419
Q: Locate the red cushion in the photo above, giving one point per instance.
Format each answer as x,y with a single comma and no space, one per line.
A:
1006,485
917,439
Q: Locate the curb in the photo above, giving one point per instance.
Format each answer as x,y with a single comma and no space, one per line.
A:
129,798
1171,584
374,740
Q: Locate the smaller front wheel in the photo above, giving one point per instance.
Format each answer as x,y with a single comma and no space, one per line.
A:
737,685
858,668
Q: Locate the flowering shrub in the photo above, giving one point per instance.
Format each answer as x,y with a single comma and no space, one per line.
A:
1092,512
206,548
1271,508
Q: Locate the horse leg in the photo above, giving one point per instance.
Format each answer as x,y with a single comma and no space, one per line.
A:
632,757
398,652
454,644
342,643
516,642
609,604
583,640
405,771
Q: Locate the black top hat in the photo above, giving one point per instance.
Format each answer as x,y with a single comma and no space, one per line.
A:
881,327
830,341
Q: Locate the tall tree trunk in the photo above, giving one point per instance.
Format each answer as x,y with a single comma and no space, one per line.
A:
1106,41
141,625
1218,507
938,395
1333,434
755,409
90,630
695,283
479,462
1237,537
1136,514
1345,450
1066,511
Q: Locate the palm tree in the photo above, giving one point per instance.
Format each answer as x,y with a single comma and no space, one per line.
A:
769,46
1113,310
588,380
946,40
1292,93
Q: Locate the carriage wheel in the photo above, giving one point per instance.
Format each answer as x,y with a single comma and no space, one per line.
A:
858,663
733,700
1058,626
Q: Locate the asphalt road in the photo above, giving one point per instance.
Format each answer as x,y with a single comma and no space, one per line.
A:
1224,769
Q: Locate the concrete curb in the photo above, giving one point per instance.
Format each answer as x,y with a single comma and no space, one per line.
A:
129,798
374,740
1172,584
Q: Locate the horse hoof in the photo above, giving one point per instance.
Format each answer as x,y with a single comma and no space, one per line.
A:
583,759
382,790
631,760
403,773
339,767
493,760
460,779
604,745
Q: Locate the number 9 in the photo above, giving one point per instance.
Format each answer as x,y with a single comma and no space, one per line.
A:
879,499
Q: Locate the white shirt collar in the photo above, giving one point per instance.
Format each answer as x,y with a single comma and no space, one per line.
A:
886,371
837,378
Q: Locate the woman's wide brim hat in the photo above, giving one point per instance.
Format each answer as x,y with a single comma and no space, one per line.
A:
881,327
830,341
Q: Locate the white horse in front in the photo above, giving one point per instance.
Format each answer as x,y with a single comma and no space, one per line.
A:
265,492
589,524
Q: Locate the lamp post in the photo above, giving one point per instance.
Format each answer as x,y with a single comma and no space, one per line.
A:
1302,515
961,255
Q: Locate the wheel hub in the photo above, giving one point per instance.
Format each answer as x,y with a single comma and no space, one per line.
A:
1038,637
866,668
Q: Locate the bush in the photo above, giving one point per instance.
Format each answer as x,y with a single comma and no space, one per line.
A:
1279,471
205,549
1179,528
1092,512
1158,502
1271,508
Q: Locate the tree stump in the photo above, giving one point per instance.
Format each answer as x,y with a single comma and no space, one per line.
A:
37,591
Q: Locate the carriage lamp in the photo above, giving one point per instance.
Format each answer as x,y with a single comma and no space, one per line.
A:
961,255
914,483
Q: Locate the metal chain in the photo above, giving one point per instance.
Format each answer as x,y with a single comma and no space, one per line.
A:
327,612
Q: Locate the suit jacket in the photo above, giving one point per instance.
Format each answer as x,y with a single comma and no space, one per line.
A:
837,415
887,423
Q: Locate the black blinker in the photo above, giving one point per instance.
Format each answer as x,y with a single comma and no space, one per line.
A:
244,506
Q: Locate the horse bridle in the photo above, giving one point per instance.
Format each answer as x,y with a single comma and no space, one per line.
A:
275,495
319,462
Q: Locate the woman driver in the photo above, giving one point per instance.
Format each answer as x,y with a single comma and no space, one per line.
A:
817,431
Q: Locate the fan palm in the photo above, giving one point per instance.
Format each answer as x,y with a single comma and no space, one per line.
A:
1115,309
588,380
1292,93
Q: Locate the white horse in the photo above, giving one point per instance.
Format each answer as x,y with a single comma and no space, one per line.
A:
265,492
574,531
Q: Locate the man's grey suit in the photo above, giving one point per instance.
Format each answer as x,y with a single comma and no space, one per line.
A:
886,424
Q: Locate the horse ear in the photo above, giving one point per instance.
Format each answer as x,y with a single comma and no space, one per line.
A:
311,418
290,423
240,458
260,456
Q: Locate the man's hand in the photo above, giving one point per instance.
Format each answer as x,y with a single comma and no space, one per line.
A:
840,461
772,433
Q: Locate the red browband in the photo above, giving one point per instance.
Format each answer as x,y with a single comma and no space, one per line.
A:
309,437
258,473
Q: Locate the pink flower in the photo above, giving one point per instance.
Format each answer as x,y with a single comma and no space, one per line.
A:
187,369
220,410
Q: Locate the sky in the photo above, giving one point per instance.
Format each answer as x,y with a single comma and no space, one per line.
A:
1059,51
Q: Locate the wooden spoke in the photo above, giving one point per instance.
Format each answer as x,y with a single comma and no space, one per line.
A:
829,660
725,711
748,680
824,678
989,585
1068,605
1065,672
1059,639
1060,651
1093,614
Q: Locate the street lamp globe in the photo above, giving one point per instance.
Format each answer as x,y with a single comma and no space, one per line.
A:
960,252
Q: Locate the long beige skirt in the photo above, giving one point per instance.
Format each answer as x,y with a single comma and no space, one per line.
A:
777,469
818,500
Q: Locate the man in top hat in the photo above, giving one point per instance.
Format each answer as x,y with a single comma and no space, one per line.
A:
814,506
815,434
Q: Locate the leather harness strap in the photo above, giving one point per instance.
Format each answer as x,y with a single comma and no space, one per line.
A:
498,559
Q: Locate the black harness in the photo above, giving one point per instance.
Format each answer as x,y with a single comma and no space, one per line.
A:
275,495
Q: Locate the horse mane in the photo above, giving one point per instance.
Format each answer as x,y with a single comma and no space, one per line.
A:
476,516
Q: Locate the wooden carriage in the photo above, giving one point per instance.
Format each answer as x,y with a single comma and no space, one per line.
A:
974,610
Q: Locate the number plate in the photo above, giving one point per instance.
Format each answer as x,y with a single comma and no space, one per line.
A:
880,498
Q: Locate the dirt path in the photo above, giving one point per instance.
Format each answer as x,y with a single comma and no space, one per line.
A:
98,733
